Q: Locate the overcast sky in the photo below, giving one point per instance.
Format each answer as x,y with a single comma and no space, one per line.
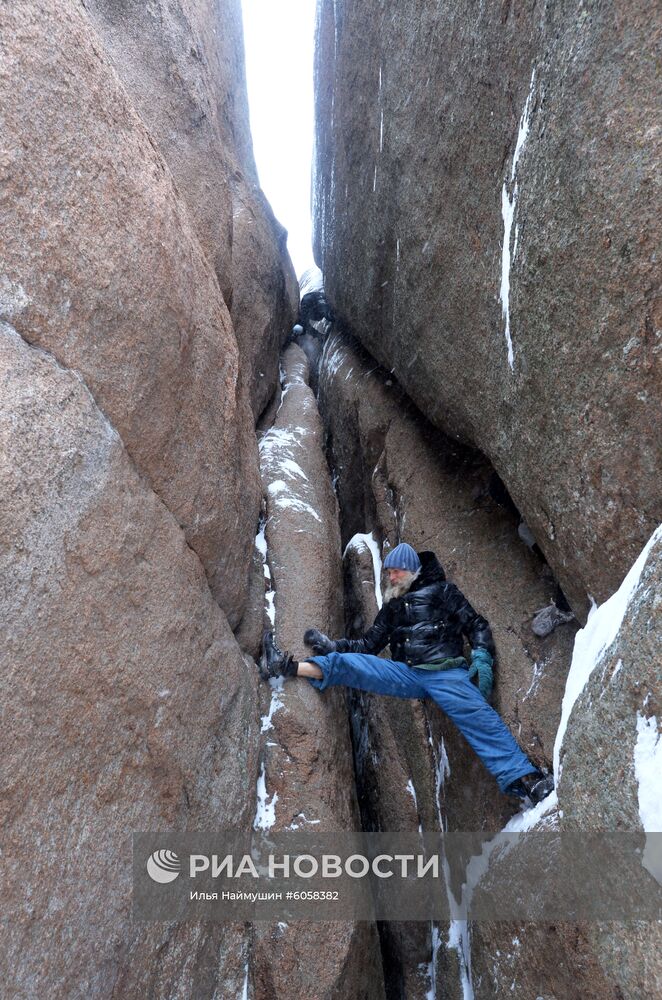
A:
279,38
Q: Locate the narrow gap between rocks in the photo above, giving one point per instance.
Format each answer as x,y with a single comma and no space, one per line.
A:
358,444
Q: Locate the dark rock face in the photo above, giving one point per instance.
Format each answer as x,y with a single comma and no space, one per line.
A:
183,66
314,309
622,695
445,132
615,725
608,782
401,479
399,476
533,959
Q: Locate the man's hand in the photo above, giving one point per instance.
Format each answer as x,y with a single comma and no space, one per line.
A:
481,664
318,642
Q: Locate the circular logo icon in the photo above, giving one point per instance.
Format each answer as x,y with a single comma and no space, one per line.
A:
163,866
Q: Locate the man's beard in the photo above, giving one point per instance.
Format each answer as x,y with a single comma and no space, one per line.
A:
392,590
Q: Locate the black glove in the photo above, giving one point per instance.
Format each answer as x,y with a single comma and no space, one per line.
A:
318,642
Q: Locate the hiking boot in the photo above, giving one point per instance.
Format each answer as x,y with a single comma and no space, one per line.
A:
273,662
537,786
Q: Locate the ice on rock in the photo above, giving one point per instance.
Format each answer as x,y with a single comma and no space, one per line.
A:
508,206
276,684
369,541
278,450
648,769
594,640
431,968
265,813
269,595
295,826
292,469
311,280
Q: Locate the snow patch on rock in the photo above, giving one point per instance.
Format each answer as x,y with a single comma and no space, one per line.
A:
459,935
295,826
265,813
594,640
334,356
276,684
280,438
269,593
292,469
538,670
311,280
369,541
647,769
285,500
508,206
278,452
442,770
431,967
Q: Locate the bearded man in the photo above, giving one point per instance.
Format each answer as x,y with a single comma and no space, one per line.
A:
425,620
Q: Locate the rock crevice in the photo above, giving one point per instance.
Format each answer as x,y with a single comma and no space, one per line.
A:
129,476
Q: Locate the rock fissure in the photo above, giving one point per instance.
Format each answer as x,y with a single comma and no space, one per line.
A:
302,733
378,454
532,665
178,472
531,676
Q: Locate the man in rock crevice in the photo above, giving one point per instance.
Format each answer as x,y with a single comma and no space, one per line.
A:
424,620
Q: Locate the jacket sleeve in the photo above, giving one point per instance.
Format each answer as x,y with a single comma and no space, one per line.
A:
473,625
374,640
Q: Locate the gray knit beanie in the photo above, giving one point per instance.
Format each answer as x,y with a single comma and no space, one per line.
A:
403,557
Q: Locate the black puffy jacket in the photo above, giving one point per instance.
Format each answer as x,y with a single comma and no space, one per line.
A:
426,624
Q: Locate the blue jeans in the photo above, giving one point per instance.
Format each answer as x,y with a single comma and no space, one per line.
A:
452,690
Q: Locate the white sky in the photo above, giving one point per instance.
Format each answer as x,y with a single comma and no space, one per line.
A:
279,39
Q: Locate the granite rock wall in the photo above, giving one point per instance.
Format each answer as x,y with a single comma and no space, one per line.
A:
486,220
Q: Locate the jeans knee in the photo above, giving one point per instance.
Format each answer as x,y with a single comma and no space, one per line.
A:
332,666
333,663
